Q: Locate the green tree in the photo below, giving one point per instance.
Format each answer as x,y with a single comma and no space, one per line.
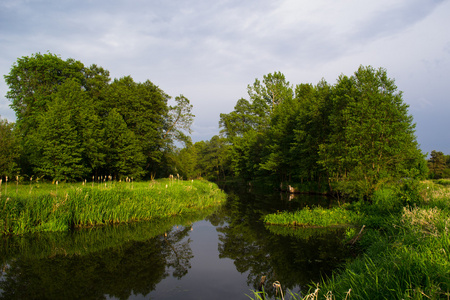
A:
143,107
437,164
276,155
186,161
273,90
124,156
179,120
32,80
372,137
311,129
60,154
239,121
248,126
211,158
10,149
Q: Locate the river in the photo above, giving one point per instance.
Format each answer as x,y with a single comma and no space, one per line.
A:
216,254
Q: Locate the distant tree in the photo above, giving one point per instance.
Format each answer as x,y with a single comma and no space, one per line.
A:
437,164
273,90
10,149
211,158
186,161
179,120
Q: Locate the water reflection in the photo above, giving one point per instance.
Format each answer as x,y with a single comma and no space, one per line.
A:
118,261
294,257
223,258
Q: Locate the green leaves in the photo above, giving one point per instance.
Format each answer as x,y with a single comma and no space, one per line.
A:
10,149
71,120
124,155
372,136
357,134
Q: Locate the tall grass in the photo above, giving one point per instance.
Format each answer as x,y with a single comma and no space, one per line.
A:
51,207
406,248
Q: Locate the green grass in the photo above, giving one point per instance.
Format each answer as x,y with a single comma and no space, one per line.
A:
316,216
406,248
40,207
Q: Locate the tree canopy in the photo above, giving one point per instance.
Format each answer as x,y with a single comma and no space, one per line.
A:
350,137
73,122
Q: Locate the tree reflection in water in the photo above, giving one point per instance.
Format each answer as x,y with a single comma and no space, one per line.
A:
121,261
154,258
180,255
296,258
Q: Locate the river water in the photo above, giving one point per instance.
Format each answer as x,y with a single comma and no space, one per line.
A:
216,254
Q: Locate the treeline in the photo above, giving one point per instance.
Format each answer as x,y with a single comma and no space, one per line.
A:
439,165
351,137
74,122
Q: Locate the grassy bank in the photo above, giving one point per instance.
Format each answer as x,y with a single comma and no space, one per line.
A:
406,245
38,207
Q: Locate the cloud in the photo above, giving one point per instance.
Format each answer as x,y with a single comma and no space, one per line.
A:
211,50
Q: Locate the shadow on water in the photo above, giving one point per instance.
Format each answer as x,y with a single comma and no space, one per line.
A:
165,259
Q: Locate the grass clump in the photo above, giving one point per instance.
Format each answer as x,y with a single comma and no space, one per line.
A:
48,207
316,216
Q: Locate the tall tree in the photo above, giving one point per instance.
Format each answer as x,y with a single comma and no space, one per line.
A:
10,149
179,120
144,109
372,137
311,129
32,80
273,90
59,153
124,156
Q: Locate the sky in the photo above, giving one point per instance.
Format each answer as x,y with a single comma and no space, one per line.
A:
210,51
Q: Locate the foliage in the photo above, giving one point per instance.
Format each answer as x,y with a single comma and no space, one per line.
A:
10,149
372,139
72,118
204,159
180,118
353,137
123,151
438,165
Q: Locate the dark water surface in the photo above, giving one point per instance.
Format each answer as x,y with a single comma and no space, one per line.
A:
215,254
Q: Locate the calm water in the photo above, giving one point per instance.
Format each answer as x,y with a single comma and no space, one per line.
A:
216,254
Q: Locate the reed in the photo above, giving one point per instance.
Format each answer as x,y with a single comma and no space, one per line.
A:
62,207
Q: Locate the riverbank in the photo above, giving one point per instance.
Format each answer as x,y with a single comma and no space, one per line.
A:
36,207
405,244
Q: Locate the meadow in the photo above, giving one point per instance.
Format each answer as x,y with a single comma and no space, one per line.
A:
39,206
404,250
